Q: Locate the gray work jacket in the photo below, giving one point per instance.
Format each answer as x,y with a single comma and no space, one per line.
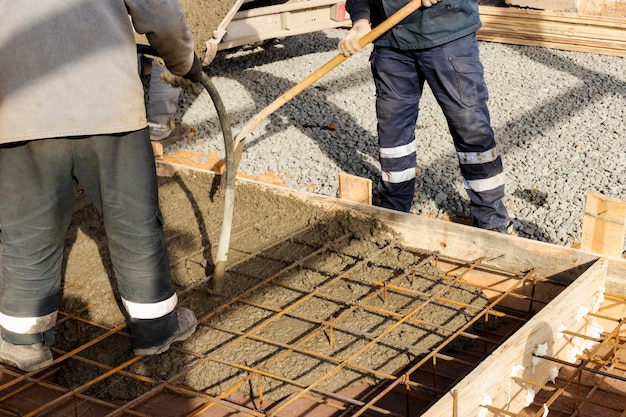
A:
69,67
425,28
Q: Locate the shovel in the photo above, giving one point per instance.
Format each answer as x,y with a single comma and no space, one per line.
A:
234,151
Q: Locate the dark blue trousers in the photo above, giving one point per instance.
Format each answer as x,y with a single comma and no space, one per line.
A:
454,74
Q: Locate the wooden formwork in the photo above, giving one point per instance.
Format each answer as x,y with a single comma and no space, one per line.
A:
506,382
555,309
508,379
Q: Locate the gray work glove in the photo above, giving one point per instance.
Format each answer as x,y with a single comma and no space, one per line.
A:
350,43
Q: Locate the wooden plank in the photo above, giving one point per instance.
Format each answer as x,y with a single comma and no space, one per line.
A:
543,17
567,31
491,382
591,7
556,33
576,32
354,188
602,48
604,225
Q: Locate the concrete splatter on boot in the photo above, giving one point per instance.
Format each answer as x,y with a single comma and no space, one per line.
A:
28,358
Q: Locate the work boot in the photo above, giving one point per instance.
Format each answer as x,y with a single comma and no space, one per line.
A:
186,326
169,134
507,230
28,358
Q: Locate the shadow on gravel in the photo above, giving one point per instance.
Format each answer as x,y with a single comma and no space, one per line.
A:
306,110
354,149
569,104
563,107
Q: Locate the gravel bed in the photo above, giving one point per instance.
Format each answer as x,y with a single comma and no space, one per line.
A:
559,118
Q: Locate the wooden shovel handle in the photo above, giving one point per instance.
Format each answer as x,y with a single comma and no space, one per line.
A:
368,38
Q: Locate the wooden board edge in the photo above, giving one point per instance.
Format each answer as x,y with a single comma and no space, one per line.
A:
491,382
354,188
447,238
604,225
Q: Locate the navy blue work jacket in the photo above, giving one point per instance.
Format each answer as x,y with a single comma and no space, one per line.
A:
427,27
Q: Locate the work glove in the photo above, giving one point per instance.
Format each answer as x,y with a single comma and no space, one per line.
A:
428,3
195,73
350,43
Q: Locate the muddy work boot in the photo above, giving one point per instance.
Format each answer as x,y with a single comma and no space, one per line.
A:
186,326
28,358
507,230
169,134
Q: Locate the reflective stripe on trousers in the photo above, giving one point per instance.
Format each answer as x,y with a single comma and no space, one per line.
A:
38,181
454,74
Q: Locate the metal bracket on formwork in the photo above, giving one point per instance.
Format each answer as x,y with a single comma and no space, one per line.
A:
455,403
598,300
554,372
530,397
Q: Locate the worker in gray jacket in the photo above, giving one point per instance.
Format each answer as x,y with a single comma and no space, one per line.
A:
436,45
72,112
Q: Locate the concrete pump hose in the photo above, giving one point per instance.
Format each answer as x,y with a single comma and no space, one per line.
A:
229,194
231,160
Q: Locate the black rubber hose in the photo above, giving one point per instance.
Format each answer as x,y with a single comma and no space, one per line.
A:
230,174
229,193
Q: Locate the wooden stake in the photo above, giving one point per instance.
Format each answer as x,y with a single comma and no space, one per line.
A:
157,149
356,189
604,225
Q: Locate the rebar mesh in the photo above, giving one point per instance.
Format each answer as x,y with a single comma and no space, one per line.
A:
326,322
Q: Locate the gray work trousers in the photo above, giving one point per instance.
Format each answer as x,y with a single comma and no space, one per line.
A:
162,104
38,183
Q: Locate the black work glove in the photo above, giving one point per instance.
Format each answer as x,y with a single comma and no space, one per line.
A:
195,73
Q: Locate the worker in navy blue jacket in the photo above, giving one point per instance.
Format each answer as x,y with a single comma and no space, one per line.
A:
436,44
